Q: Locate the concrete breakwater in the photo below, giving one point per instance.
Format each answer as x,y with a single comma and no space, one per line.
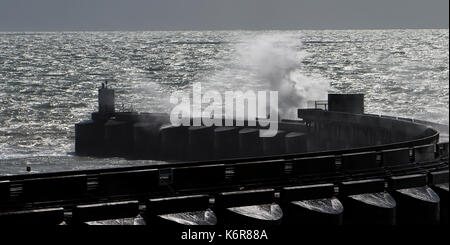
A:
370,187
150,136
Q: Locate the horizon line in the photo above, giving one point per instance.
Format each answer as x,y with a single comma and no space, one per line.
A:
222,30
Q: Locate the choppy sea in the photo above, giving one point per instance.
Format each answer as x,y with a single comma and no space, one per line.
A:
49,81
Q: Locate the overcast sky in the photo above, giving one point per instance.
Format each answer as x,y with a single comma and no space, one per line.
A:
92,15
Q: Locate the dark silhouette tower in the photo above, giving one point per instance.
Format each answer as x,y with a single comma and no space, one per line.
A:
349,103
105,99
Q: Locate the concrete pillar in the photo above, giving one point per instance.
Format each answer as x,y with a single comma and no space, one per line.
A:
226,142
251,207
146,140
118,138
312,204
180,210
274,145
201,143
173,142
366,202
417,203
249,142
89,138
105,211
4,190
48,216
106,100
439,182
296,142
442,191
155,117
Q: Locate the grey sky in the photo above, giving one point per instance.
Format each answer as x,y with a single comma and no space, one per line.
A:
68,15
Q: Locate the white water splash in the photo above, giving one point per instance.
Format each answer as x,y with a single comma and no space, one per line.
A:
275,60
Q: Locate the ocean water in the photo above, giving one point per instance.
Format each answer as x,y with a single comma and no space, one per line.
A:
49,81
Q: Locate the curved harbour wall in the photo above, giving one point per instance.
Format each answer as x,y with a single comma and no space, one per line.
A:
150,136
392,186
